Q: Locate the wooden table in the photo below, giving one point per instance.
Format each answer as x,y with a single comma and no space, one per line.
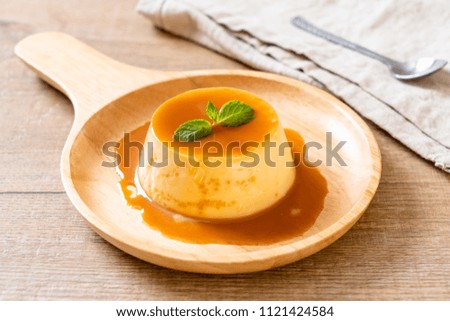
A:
399,250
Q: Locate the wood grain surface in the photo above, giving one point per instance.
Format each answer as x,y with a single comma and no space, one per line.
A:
400,249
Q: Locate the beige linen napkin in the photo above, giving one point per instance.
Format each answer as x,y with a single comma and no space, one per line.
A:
259,34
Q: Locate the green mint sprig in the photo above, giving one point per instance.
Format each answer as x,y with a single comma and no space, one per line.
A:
232,114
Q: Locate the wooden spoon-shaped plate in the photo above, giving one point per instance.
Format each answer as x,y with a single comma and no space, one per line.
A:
111,98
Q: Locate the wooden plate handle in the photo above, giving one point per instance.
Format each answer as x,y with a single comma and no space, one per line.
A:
90,79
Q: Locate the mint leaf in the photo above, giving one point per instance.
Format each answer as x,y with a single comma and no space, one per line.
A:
193,130
212,112
232,114
235,113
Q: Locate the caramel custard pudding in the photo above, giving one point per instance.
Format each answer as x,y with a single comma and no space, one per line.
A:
229,189
272,204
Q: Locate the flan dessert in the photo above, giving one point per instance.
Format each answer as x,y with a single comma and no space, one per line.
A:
229,173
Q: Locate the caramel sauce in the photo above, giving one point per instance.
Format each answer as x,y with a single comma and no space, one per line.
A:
289,218
192,105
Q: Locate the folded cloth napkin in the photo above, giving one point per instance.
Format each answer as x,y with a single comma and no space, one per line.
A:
259,33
